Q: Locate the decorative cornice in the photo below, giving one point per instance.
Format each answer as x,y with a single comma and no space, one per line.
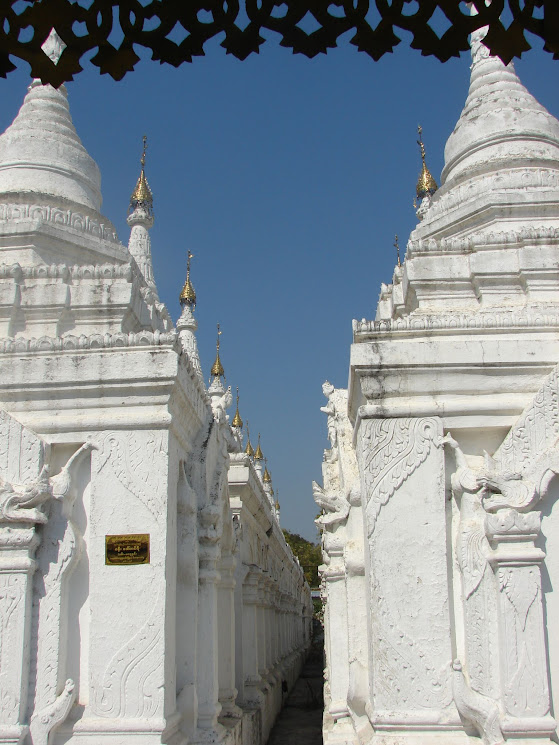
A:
503,182
484,321
483,240
12,211
83,342
66,273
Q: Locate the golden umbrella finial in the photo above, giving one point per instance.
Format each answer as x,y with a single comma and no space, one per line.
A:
258,455
266,478
142,196
188,294
249,450
426,184
237,421
397,247
217,367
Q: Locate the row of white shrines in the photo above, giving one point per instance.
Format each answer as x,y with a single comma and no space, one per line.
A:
440,524
147,594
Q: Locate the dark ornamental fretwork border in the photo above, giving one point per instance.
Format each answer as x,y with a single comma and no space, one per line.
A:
175,31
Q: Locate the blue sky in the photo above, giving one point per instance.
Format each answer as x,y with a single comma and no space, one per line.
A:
287,178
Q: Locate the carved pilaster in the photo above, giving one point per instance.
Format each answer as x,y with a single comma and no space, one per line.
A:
401,463
226,623
209,707
516,563
252,682
17,565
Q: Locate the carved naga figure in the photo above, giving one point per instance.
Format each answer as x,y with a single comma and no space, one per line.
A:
337,507
330,410
220,406
23,502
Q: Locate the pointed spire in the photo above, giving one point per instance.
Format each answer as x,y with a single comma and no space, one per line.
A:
249,450
258,455
41,153
217,368
142,196
426,184
502,127
266,478
140,219
397,247
237,421
188,293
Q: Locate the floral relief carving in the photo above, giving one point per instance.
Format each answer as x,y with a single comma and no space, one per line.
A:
131,685
12,590
526,691
406,669
125,456
390,451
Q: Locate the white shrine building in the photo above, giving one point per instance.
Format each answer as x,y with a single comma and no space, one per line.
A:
147,594
440,497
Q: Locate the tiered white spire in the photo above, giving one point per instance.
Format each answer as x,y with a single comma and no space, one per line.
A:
140,219
187,324
501,126
41,153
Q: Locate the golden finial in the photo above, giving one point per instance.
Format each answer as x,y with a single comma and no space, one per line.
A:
426,184
397,247
188,294
258,454
237,421
266,478
142,196
249,450
217,367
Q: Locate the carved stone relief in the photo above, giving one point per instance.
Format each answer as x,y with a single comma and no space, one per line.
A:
130,685
390,451
403,486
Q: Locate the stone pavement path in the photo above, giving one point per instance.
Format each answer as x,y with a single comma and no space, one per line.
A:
300,721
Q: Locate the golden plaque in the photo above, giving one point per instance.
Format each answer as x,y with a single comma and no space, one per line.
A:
127,549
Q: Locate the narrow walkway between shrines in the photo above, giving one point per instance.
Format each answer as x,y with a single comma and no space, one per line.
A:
300,721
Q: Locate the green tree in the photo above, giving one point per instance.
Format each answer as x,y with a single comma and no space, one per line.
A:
309,555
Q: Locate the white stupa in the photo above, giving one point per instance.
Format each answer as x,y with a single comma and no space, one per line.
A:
440,498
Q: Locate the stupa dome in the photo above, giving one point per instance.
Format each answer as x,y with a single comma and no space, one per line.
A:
501,126
41,153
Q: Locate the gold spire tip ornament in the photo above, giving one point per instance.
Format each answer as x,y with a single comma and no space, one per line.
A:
217,368
397,247
258,455
237,421
249,450
142,196
266,478
426,184
188,293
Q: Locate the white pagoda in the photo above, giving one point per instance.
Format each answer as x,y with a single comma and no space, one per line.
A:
128,581
440,516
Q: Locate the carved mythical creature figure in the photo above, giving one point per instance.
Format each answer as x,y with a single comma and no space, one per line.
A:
330,410
220,406
22,502
482,712
337,507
